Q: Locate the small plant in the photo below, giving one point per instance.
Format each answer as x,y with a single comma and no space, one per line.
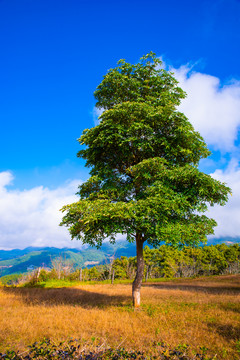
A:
150,310
238,346
182,347
203,349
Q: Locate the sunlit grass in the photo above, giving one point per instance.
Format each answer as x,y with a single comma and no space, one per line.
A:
202,313
55,283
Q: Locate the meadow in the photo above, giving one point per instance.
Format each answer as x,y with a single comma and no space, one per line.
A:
201,315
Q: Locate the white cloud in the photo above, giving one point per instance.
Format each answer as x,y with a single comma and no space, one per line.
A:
213,110
32,217
6,178
228,216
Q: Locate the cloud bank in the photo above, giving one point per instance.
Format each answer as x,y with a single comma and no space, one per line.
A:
32,217
212,109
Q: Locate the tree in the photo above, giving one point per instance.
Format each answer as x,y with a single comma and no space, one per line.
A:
143,157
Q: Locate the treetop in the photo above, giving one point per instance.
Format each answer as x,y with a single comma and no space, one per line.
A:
145,81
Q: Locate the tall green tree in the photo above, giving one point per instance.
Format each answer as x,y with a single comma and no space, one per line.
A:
143,157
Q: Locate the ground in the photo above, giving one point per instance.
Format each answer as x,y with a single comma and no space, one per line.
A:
203,313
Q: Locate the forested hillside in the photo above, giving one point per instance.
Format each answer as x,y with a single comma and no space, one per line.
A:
170,262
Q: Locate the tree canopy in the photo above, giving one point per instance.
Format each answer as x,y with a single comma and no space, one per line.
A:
144,156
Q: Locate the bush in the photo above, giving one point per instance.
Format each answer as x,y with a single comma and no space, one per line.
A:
43,276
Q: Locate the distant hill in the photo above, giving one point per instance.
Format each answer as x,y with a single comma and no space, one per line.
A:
18,261
226,240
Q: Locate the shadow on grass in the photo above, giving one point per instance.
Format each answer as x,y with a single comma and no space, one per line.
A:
211,289
67,296
227,331
234,307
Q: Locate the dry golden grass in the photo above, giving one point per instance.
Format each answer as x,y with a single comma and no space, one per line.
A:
200,313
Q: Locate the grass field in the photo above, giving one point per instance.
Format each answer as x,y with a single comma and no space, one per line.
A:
203,313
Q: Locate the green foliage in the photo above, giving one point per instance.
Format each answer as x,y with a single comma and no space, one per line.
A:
93,273
10,279
121,267
143,157
53,275
43,276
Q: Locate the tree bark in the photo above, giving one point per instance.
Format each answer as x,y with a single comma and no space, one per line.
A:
113,274
147,271
80,274
136,287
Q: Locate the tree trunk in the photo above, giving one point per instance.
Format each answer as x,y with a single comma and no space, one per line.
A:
80,274
147,271
113,274
136,287
38,273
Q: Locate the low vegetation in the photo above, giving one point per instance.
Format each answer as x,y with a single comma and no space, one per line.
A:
74,349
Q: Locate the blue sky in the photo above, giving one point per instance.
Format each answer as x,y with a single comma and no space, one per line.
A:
54,54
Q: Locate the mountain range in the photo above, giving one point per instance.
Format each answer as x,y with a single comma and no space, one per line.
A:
19,261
